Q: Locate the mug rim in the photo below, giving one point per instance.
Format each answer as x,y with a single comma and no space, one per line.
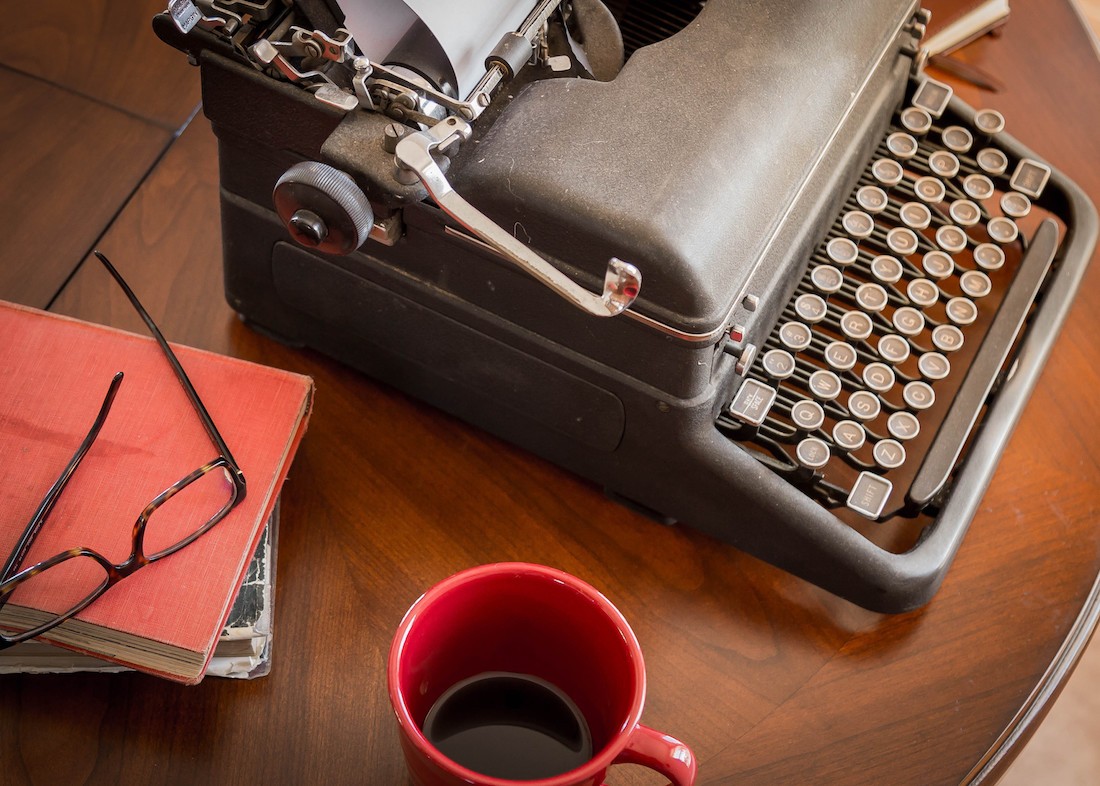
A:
411,730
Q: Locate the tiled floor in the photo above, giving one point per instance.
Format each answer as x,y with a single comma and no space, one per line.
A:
1065,750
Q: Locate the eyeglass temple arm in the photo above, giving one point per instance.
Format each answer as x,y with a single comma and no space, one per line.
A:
19,553
200,409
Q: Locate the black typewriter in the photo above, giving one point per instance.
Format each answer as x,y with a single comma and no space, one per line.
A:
741,263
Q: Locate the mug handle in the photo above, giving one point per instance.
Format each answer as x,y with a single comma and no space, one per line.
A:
660,752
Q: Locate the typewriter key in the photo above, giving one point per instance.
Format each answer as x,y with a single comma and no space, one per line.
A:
795,336
922,292
1015,204
933,365
858,224
1002,230
962,311
871,297
944,163
937,264
965,213
1030,177
915,215
930,189
975,283
864,406
807,415
989,256
888,454
826,278
887,171
978,187
947,338
893,348
932,96
957,139
849,435
901,240
908,321
918,395
872,199
989,121
902,145
812,453
879,377
869,494
778,363
950,238
842,250
886,269
903,425
810,308
840,355
916,120
992,161
753,402
856,325
824,385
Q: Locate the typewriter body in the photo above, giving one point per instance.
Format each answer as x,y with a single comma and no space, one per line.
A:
741,263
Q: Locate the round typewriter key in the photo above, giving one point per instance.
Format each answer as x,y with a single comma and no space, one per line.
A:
824,385
965,213
842,250
893,348
901,240
1015,204
915,215
930,189
902,145
962,311
908,321
871,297
944,163
887,171
937,264
933,365
989,256
856,325
858,224
795,336
903,425
992,161
872,199
1002,230
827,278
889,454
863,405
810,307
957,139
878,377
812,453
918,395
975,283
950,238
947,338
849,435
989,121
978,187
840,355
922,292
807,415
916,120
886,269
778,363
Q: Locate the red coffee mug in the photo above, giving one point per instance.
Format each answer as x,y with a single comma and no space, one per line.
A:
518,618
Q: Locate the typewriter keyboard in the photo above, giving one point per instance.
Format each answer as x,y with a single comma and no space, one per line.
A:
867,389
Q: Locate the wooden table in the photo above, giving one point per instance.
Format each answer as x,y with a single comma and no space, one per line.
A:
770,680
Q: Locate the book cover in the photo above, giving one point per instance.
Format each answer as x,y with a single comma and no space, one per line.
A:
54,372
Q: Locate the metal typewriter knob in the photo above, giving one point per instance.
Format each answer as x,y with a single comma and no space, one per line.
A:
322,208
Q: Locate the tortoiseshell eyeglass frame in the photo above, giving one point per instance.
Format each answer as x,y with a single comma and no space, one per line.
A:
10,579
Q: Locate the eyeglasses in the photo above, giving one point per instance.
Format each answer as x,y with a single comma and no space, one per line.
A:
80,575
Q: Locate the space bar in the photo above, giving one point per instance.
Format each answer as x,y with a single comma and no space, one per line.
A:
987,365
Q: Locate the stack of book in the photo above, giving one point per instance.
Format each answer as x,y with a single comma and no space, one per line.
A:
206,609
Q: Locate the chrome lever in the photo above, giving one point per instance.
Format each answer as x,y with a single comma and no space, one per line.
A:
622,281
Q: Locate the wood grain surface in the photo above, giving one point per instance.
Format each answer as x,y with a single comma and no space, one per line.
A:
769,679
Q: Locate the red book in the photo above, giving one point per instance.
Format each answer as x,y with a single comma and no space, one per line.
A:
54,372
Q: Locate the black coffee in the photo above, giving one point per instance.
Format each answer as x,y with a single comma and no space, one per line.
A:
509,726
